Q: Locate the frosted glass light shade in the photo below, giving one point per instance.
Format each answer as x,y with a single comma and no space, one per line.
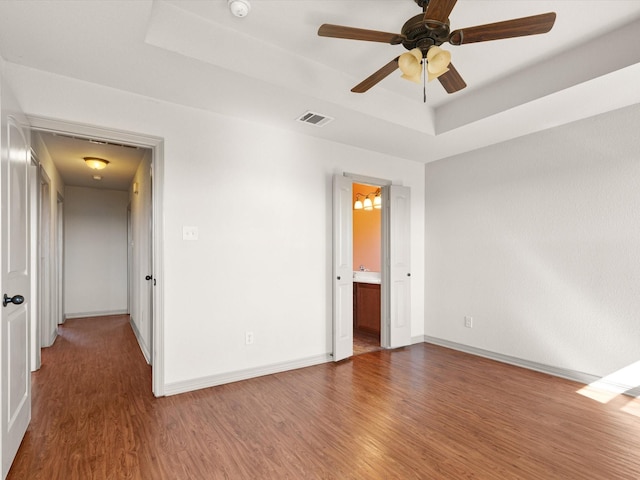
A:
96,163
410,65
358,205
368,204
437,62
377,201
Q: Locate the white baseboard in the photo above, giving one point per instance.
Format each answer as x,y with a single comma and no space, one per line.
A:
143,346
94,314
417,339
215,380
580,377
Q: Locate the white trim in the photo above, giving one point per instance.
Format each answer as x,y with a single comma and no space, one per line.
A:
580,377
141,344
102,313
366,180
156,144
215,380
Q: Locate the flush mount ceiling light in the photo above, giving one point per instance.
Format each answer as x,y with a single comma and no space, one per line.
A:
96,163
240,8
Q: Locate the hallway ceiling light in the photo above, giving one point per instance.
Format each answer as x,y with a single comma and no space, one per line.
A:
96,163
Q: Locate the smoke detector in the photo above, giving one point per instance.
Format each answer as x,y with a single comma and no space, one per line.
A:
240,8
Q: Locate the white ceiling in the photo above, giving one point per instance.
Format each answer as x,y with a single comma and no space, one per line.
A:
271,66
68,154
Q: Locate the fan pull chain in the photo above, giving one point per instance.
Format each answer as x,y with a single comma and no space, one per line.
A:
424,81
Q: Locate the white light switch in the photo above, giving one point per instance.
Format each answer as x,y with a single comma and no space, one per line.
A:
189,233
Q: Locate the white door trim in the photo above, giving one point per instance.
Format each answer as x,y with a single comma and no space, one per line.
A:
389,299
156,144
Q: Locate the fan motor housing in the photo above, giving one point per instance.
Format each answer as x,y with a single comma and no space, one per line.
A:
424,34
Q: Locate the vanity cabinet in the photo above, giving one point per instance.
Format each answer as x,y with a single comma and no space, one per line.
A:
366,307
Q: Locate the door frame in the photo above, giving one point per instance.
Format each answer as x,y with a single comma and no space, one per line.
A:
156,145
384,184
385,286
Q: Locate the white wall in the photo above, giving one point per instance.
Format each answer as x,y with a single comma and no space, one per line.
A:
261,199
95,251
538,240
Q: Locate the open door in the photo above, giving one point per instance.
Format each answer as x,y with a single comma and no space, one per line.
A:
15,397
399,313
342,269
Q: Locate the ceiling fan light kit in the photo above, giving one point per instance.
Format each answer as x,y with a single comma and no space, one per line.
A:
422,36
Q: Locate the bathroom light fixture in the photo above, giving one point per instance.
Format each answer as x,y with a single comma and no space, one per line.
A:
368,203
240,8
377,200
96,163
358,205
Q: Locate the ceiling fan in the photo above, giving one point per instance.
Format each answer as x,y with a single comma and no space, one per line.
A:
423,34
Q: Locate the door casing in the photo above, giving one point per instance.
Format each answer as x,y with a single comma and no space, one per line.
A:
387,340
156,145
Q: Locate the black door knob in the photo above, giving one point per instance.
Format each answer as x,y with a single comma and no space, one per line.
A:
16,300
148,277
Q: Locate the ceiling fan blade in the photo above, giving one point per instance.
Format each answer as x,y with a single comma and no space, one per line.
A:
351,33
376,77
518,27
451,80
439,10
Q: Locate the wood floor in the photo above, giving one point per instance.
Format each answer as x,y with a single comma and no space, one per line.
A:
365,343
423,412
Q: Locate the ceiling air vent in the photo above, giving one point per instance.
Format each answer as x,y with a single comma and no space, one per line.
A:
315,119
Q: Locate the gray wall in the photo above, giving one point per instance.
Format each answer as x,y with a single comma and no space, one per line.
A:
95,251
538,240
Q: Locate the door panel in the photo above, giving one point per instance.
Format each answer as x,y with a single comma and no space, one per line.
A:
342,269
399,266
16,395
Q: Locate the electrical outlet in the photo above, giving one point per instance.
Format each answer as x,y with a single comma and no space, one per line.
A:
248,338
468,322
190,233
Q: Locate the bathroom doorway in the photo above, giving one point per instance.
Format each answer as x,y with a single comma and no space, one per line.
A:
367,267
395,284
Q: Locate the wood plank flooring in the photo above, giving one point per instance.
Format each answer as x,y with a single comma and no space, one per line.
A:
422,412
365,342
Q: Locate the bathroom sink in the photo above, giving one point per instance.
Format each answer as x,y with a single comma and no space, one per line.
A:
366,277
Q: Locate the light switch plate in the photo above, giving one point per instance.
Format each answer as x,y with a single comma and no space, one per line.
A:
189,233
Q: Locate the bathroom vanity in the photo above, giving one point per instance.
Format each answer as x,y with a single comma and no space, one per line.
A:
366,302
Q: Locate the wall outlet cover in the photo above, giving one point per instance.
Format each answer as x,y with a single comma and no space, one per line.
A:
190,233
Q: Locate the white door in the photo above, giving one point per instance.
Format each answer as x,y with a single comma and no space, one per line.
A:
342,269
399,267
15,398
